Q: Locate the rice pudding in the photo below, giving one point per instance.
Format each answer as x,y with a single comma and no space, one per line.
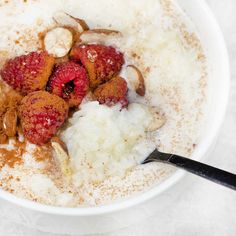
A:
163,76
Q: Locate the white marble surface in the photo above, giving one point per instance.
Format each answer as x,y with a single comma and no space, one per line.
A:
206,208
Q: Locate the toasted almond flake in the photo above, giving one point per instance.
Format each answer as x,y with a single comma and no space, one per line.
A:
136,79
158,120
63,158
65,19
102,31
99,35
82,25
10,122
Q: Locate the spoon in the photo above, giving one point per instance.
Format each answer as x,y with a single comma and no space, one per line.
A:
208,172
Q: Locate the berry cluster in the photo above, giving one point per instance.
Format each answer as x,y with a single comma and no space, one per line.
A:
50,89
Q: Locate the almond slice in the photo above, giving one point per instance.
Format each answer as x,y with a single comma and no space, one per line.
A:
81,24
99,35
63,157
10,122
58,41
65,19
136,79
158,120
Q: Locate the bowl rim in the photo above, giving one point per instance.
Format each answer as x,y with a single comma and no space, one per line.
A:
174,178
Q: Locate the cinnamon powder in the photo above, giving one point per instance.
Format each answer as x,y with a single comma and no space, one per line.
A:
12,157
43,153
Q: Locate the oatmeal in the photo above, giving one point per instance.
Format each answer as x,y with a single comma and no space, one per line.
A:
80,112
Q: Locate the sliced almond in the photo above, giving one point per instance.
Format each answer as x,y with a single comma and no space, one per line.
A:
136,79
99,35
10,122
63,157
102,31
158,120
65,19
56,139
58,41
82,25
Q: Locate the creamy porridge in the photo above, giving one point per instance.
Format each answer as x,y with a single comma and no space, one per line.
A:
107,120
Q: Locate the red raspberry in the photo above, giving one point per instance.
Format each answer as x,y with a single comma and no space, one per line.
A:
101,62
112,92
28,73
69,81
42,114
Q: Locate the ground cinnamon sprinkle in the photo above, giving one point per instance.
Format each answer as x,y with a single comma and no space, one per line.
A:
43,153
9,158
12,157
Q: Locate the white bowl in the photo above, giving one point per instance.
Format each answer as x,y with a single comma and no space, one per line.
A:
106,218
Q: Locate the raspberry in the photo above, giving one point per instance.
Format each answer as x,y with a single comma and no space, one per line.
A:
42,114
112,92
69,81
28,73
101,62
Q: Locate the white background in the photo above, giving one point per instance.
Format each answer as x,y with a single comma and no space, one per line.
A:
197,207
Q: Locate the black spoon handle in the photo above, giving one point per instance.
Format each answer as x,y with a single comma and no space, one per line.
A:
208,172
